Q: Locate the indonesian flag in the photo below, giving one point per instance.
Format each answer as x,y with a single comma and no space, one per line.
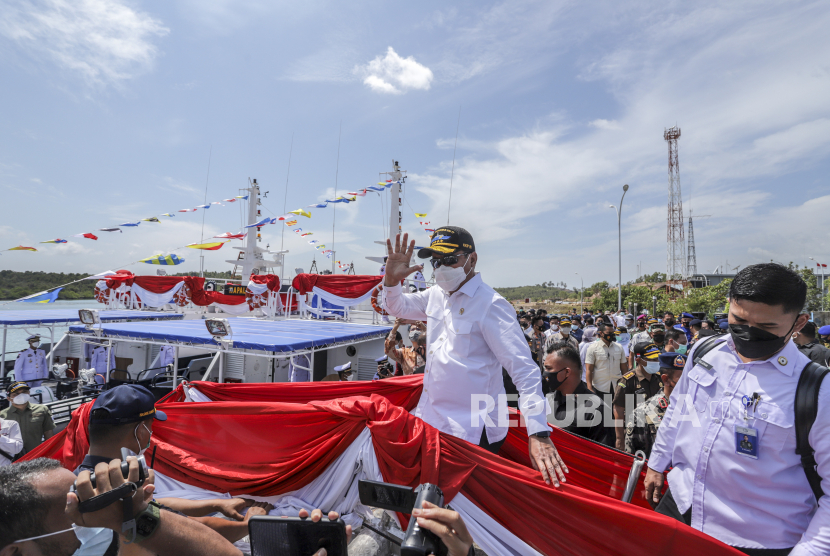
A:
229,235
213,246
301,212
87,235
819,264
188,210
229,200
21,248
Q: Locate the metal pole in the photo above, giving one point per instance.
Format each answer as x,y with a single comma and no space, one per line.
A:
107,363
822,288
3,357
175,366
581,290
619,247
51,347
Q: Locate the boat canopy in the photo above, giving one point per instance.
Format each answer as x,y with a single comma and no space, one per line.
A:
282,336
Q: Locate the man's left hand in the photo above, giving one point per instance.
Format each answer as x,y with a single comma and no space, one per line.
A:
545,458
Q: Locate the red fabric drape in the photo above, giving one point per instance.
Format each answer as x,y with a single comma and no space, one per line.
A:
270,280
341,286
226,447
157,284
200,297
592,466
120,276
402,391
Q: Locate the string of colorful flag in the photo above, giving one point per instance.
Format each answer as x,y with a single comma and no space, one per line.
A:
156,259
290,219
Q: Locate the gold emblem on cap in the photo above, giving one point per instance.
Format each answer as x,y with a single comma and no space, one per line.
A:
461,311
782,360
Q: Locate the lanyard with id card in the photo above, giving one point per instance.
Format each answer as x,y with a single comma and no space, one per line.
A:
746,437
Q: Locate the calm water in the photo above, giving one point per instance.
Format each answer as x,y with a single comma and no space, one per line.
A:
16,337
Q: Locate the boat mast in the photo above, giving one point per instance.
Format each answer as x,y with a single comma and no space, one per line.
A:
253,261
395,216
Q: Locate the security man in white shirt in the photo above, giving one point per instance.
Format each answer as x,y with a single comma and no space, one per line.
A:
30,366
730,431
472,334
11,441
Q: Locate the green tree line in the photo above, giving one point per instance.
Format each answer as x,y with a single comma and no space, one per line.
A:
14,285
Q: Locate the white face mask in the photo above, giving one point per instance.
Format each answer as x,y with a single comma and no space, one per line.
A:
565,330
652,367
624,338
21,399
94,540
449,278
34,345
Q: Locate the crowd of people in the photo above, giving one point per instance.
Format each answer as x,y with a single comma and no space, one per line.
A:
730,408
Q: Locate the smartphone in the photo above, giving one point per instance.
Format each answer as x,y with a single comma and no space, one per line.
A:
289,536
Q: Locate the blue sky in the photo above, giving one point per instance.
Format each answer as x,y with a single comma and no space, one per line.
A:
113,106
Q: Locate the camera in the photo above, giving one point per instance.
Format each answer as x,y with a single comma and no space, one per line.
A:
125,469
397,498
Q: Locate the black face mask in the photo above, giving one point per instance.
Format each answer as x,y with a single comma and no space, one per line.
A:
611,337
669,322
658,338
551,381
755,343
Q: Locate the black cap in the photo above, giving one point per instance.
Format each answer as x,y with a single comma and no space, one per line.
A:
695,322
127,403
448,240
671,360
16,387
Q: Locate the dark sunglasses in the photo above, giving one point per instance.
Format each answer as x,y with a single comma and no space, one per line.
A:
447,260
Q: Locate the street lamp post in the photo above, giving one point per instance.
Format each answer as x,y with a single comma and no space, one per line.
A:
581,289
619,247
821,266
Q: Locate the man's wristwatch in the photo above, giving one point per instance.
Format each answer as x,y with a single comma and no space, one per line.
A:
144,525
541,434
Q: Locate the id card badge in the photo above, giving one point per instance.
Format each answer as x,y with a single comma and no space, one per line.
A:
746,441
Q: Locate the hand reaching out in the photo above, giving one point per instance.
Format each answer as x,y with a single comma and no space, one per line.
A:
398,259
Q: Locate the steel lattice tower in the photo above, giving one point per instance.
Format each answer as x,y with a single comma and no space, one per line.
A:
691,261
675,256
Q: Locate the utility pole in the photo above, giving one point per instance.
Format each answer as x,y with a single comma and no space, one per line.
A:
619,248
581,289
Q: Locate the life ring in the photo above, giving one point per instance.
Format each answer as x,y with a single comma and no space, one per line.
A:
101,294
375,305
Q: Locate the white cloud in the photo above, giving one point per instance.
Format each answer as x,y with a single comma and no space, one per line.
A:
748,86
103,41
394,75
610,125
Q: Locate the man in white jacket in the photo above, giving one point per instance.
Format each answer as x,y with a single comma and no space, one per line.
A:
472,333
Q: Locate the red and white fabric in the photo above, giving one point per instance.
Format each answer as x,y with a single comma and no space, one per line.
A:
324,432
263,292
135,292
345,291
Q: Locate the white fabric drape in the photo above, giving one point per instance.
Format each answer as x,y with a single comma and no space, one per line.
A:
303,306
342,301
488,533
257,289
240,309
154,300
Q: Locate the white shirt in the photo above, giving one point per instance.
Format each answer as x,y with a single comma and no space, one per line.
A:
745,502
606,361
11,441
470,337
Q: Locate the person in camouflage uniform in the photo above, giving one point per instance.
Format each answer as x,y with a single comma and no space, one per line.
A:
641,427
